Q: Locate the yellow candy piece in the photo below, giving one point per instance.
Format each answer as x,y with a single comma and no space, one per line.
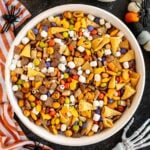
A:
129,91
73,112
111,73
31,35
45,116
90,77
105,80
77,26
80,42
86,65
74,119
112,83
26,51
87,113
111,93
37,85
65,23
38,108
32,73
54,30
125,75
115,41
108,112
34,117
83,23
128,56
87,44
99,70
73,85
88,52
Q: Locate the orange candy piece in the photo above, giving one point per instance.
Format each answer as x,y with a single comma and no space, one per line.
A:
131,17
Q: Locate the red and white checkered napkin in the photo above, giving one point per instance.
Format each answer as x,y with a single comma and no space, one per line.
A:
11,135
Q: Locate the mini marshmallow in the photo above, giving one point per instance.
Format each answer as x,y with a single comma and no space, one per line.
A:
31,78
43,97
44,34
97,77
69,114
82,79
71,33
25,40
86,33
19,63
91,17
63,59
15,88
62,76
87,71
16,56
118,54
62,67
50,70
101,21
95,128
80,68
14,61
123,103
90,38
51,91
101,103
107,52
48,59
96,117
81,49
108,25
79,72
93,63
50,18
71,64
30,65
12,67
35,111
24,77
57,40
96,103
72,99
44,70
63,127
126,65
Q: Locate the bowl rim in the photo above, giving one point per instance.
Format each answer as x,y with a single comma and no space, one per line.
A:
59,139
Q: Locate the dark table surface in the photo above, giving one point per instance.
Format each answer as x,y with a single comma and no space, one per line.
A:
117,8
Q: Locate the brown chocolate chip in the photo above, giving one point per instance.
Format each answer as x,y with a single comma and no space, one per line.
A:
110,58
17,50
58,35
38,37
56,47
43,89
49,102
18,94
54,62
56,55
27,104
116,118
37,95
73,71
24,61
39,48
132,64
42,64
82,87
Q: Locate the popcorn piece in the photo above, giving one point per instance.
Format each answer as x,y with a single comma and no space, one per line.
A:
15,88
25,40
87,71
43,97
71,64
62,67
19,63
44,34
95,128
96,117
82,79
126,65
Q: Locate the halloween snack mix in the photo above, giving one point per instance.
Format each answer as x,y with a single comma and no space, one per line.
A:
74,74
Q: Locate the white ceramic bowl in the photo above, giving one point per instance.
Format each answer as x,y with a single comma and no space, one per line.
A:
60,139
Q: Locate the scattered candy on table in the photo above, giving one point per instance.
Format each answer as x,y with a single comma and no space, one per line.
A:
74,74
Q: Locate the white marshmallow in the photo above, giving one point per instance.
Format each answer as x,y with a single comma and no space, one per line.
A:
51,91
44,70
57,40
82,79
24,77
96,103
99,58
62,67
96,117
93,63
79,72
30,65
80,68
87,71
107,52
101,21
50,18
35,111
19,63
43,97
97,77
16,56
48,59
126,65
123,103
86,33
71,64
81,49
72,99
62,87
90,38
63,59
50,69
108,25
117,54
63,127
69,114
12,67
101,103
31,78
15,88
44,34
71,33
25,40
95,128
91,17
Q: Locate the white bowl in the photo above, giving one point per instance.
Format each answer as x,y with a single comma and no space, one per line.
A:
60,139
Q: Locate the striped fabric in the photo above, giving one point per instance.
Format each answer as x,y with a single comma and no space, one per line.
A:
11,135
